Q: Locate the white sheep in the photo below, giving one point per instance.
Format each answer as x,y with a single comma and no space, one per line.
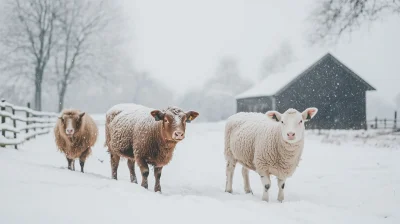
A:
269,144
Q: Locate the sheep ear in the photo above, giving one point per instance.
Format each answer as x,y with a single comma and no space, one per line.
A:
158,115
81,115
274,115
309,113
191,115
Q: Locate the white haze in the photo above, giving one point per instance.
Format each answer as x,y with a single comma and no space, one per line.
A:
178,44
181,41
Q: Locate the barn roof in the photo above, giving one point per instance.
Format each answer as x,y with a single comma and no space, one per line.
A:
278,82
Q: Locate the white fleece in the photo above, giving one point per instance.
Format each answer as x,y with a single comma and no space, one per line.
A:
255,141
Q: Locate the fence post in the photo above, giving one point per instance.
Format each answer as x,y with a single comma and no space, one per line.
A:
376,122
384,123
3,120
395,120
33,122
15,127
27,117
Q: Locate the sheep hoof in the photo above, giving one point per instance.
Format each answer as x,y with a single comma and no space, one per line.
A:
249,192
229,191
157,188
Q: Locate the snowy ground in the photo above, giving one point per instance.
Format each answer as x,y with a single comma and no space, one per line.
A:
346,183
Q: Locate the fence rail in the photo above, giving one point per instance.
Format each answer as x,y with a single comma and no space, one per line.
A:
386,124
19,124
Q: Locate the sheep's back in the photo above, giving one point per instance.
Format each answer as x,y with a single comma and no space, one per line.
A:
241,132
130,124
91,130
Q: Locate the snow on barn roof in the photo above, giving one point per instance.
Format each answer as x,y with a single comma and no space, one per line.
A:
277,82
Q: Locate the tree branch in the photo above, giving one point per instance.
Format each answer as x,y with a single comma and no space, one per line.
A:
331,19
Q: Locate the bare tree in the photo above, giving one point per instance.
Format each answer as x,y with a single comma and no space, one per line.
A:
276,61
28,37
333,18
81,22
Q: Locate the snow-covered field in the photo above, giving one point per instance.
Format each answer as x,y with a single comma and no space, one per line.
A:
335,183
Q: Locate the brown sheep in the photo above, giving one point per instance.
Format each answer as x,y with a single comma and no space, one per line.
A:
75,133
145,136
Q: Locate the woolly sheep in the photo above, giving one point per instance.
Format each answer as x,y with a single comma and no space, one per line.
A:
75,133
145,136
269,144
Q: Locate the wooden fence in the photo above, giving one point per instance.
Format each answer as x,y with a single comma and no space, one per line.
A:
19,124
385,124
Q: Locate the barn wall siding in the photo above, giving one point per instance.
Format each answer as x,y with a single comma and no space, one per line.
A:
255,104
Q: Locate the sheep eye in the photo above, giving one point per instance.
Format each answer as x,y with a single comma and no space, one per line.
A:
282,122
166,121
301,121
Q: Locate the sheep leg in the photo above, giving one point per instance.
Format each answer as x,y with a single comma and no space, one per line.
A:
73,164
266,182
83,157
245,173
281,186
157,175
144,169
114,165
131,166
82,164
230,168
70,163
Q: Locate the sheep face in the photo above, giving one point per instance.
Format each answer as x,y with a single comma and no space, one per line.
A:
292,122
71,122
174,122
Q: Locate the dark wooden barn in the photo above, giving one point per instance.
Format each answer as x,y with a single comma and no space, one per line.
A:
337,92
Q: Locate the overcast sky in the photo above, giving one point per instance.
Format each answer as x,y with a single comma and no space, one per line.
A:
179,41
